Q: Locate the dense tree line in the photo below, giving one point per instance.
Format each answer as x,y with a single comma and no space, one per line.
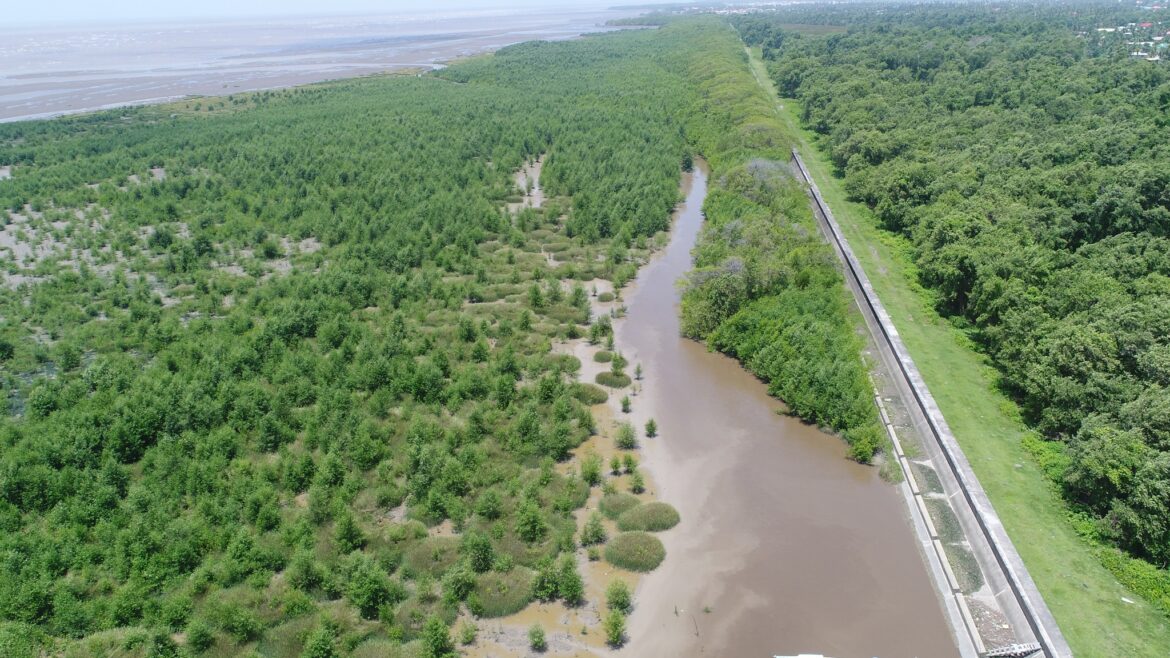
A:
766,288
1024,155
276,342
280,339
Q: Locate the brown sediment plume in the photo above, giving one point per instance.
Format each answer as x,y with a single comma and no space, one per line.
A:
785,546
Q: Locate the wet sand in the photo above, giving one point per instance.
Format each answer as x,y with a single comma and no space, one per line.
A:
784,546
59,70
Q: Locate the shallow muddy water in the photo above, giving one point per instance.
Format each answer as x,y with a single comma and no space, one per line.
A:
785,546
83,66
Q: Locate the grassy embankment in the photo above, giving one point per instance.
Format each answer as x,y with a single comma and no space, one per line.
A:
1097,614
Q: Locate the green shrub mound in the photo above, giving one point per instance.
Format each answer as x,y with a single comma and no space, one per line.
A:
433,555
635,551
605,297
589,394
613,381
650,517
501,594
603,356
615,504
564,362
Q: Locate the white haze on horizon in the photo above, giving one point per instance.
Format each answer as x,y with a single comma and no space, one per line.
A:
34,13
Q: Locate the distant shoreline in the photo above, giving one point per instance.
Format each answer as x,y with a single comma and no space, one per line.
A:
57,74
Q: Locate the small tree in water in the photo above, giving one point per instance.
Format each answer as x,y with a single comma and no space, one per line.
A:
618,598
651,428
594,333
569,583
615,628
627,439
618,365
637,484
536,638
593,532
626,404
591,469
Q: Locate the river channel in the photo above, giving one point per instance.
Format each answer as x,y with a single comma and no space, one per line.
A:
785,546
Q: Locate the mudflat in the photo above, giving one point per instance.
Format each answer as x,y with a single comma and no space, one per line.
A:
47,71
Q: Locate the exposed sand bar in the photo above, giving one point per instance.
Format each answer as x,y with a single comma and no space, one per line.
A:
50,71
791,547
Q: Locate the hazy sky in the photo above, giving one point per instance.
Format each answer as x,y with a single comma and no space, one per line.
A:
24,12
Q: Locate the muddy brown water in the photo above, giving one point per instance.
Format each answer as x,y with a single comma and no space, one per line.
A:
785,546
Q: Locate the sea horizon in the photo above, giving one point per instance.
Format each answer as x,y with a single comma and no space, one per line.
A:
62,69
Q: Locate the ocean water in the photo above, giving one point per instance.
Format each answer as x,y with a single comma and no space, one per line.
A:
50,71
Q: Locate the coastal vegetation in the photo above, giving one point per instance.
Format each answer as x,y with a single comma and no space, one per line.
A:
614,505
278,374
650,517
635,551
765,288
943,151
618,597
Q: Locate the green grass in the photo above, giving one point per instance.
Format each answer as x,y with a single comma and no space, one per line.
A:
501,594
1083,596
927,479
379,648
433,555
965,567
635,551
945,521
613,381
651,517
564,362
615,504
589,394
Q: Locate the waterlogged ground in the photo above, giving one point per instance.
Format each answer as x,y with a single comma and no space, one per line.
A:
784,545
52,70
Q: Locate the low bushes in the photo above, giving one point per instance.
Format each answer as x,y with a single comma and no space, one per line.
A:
433,555
589,394
501,594
615,504
613,380
1152,583
627,437
635,551
618,597
563,362
650,517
